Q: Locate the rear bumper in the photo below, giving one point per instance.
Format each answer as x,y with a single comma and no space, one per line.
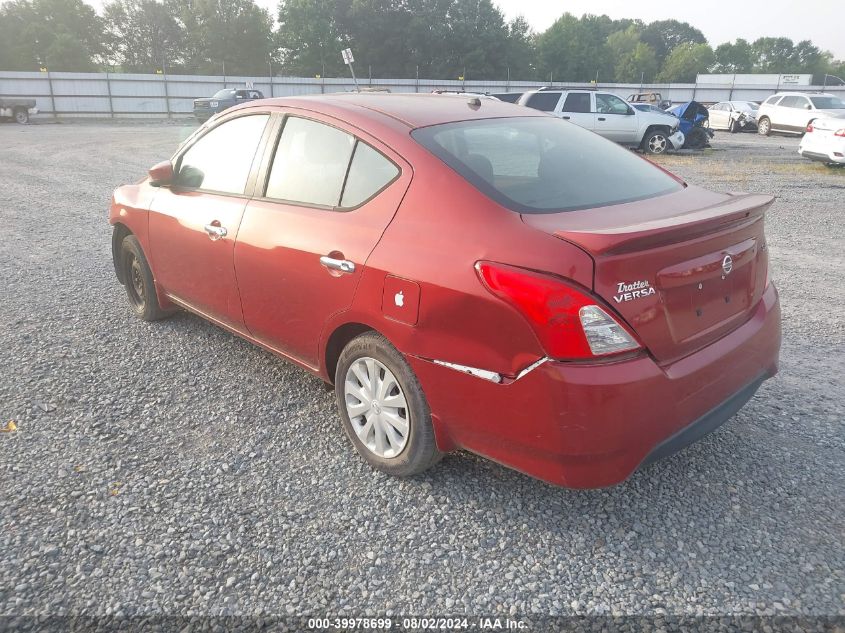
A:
590,426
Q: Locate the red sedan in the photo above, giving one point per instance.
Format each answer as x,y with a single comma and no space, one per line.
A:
468,274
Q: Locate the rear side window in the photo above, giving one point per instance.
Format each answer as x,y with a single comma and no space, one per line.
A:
369,173
577,102
316,164
545,101
222,158
310,163
543,164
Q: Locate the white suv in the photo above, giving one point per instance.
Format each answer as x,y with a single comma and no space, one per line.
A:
610,116
793,111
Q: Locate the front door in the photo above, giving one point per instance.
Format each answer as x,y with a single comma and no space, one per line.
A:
302,246
615,119
194,222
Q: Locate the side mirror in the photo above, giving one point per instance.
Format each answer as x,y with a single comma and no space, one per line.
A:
161,174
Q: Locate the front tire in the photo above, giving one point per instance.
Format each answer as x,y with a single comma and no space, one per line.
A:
764,126
21,116
383,408
656,142
138,281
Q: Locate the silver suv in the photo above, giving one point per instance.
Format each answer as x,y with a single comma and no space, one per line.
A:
793,111
611,117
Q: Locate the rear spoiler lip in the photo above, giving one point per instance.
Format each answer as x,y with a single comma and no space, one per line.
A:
736,209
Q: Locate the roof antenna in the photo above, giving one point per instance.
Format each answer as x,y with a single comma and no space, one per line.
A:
474,102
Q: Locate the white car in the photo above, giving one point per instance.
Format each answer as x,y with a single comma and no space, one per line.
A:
824,141
793,111
733,116
609,116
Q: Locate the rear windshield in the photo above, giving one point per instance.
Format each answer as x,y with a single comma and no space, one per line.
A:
544,164
828,103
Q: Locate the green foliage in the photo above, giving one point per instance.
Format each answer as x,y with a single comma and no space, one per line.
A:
62,34
685,61
665,35
635,60
143,36
734,58
399,38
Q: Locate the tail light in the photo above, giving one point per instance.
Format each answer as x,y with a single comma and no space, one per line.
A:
809,127
569,323
840,132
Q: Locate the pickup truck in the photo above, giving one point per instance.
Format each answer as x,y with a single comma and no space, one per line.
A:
204,109
17,109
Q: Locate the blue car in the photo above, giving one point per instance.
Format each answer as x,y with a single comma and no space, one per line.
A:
204,109
694,124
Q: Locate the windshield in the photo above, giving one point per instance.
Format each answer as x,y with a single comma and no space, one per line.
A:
828,103
746,106
544,164
224,94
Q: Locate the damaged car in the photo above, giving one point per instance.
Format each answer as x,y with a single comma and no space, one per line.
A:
734,116
694,118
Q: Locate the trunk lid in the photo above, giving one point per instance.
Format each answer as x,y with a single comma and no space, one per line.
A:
682,270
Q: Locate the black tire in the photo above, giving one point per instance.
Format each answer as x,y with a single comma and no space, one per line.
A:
764,126
138,281
656,142
696,139
21,115
420,450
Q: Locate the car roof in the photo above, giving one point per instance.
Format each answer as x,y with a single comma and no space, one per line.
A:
410,110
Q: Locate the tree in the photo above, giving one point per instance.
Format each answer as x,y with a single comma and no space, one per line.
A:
309,36
521,50
773,55
734,58
62,34
144,35
477,40
634,60
685,61
573,49
234,37
665,35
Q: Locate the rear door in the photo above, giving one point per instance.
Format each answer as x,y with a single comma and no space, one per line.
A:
193,224
720,116
325,195
578,107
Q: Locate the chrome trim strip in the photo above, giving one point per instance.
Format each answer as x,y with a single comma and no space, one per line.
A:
531,367
492,376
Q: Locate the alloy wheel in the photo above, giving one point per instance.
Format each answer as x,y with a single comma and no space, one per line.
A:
376,407
657,144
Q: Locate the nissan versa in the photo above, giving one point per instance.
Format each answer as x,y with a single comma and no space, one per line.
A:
467,273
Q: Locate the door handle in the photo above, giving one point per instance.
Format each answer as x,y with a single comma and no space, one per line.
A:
215,231
566,117
343,265
601,118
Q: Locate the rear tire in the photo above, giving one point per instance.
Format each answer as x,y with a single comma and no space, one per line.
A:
21,116
138,281
764,126
383,408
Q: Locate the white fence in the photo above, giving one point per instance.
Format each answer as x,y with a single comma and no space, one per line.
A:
120,95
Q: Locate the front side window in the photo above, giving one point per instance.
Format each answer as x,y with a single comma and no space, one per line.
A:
577,102
793,102
610,104
222,158
544,101
544,165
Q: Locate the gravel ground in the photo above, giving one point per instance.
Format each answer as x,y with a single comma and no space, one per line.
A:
173,468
